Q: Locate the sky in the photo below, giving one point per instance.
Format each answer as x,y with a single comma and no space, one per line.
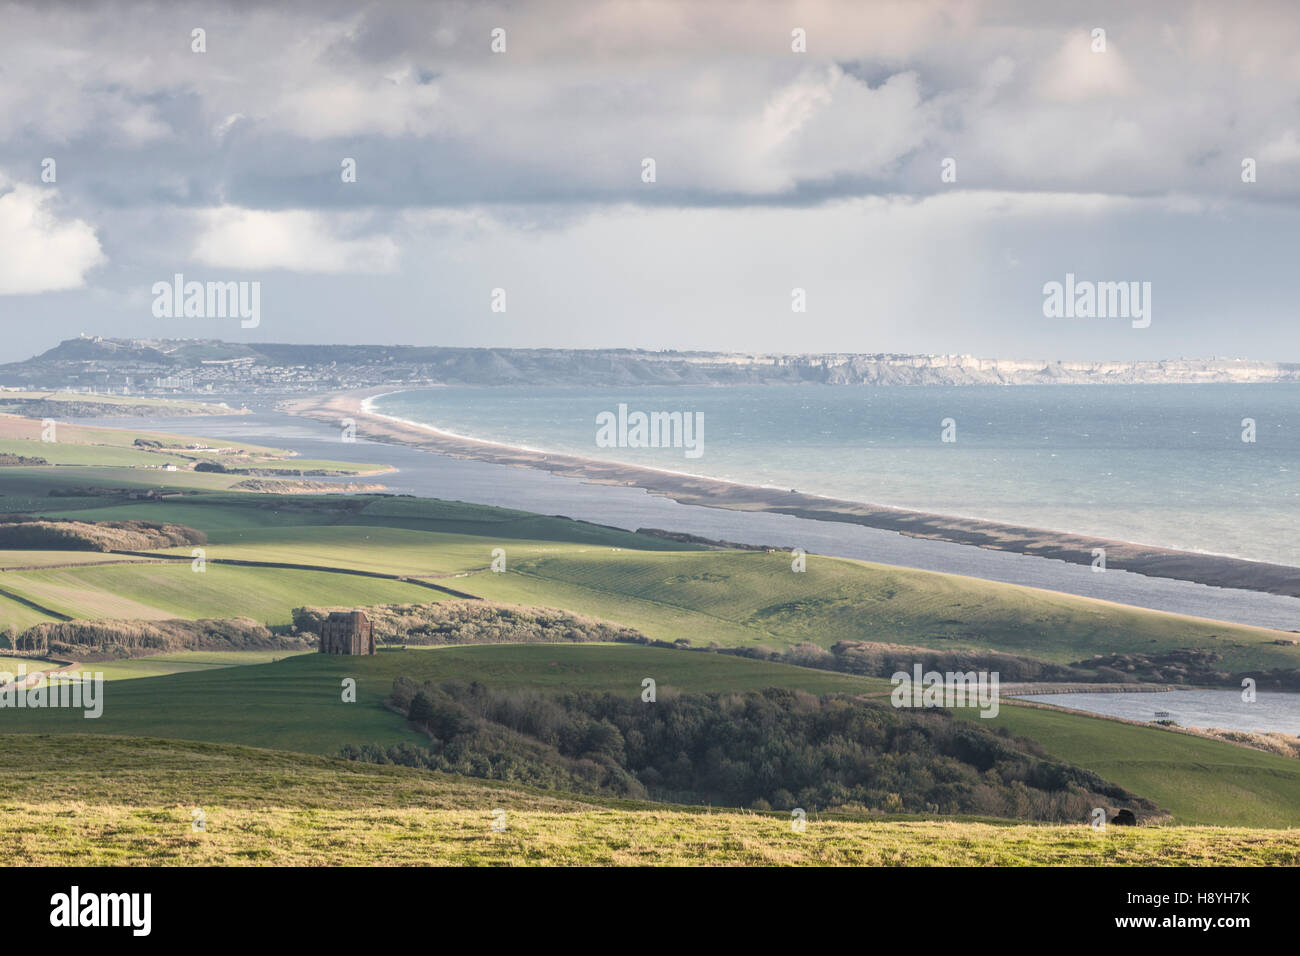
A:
921,170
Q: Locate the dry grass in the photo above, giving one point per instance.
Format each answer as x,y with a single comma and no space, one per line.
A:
130,802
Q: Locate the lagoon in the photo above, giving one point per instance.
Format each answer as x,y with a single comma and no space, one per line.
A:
1271,711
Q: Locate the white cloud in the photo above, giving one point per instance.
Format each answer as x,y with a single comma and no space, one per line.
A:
774,168
1012,90
1284,149
1077,73
296,240
827,122
38,251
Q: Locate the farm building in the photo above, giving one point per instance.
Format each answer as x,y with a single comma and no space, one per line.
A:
347,632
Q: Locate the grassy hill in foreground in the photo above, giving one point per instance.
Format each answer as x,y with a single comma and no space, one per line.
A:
295,704
110,800
734,598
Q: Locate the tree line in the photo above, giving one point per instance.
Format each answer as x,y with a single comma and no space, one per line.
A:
771,749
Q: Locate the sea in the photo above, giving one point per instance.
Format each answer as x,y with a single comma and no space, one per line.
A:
1163,465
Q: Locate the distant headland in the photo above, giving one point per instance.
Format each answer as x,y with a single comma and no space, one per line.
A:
178,366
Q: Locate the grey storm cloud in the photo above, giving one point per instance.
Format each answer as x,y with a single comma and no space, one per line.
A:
1014,92
478,169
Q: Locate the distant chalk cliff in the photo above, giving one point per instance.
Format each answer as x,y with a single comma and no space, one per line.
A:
181,366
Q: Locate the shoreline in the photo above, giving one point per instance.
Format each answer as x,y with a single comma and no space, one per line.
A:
1197,567
367,407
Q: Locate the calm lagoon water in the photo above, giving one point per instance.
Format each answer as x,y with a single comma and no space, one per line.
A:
1269,712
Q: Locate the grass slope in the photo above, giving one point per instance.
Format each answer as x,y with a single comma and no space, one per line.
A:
183,662
67,453
733,598
296,703
17,615
385,550
106,801
752,597
174,406
157,591
89,445
1198,780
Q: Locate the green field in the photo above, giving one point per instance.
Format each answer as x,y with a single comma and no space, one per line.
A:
228,518
665,590
379,549
55,490
107,800
296,703
708,596
157,665
735,598
66,453
11,664
149,591
170,405
1198,780
132,453
31,429
184,662
18,616
23,560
